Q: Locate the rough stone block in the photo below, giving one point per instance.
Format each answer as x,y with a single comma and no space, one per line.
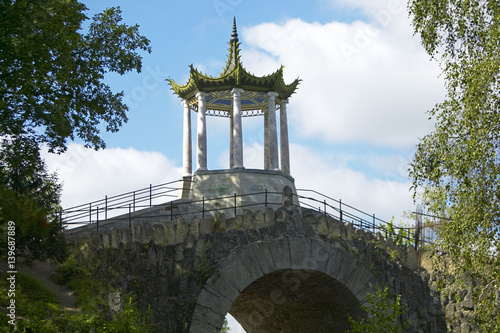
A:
280,251
300,251
136,233
207,226
116,237
179,252
223,287
194,227
106,239
169,233
335,262
263,254
350,233
336,231
346,270
210,298
236,272
237,222
159,234
206,320
411,258
368,287
189,241
359,279
181,231
320,254
269,216
126,236
259,220
147,232
247,219
251,262
322,226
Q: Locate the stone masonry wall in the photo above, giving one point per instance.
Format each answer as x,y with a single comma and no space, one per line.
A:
167,263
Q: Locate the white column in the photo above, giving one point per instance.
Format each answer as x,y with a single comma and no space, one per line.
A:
231,153
273,132
285,149
237,129
266,138
202,132
187,162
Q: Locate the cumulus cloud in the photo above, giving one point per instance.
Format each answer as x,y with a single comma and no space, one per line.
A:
321,171
89,175
368,82
330,174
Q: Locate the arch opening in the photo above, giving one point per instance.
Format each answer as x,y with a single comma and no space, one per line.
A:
296,301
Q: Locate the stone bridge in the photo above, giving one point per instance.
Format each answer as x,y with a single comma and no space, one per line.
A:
288,269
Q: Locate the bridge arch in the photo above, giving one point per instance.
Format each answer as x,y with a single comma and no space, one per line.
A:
263,285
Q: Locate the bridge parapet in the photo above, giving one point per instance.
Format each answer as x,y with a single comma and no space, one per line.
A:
187,231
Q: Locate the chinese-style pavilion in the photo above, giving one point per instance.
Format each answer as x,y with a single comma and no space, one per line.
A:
235,94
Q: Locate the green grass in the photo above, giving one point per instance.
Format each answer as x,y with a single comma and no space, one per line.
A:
38,310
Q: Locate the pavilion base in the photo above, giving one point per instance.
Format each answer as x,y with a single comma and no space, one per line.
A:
255,189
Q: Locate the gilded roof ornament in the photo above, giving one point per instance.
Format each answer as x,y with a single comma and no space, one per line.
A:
234,76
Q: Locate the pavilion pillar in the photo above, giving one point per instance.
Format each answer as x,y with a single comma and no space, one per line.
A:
237,129
231,152
202,132
273,131
285,149
266,138
187,162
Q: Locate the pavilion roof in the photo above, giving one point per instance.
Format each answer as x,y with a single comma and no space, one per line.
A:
234,75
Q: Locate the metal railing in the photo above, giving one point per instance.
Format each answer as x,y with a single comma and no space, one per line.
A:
419,235
121,207
109,207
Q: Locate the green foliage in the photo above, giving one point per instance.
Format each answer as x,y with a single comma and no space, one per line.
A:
51,91
457,166
38,310
383,314
225,327
51,73
400,235
29,196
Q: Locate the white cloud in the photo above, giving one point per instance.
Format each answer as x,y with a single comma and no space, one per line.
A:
331,175
362,82
89,175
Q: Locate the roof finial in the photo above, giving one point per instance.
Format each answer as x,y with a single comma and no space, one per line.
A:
234,35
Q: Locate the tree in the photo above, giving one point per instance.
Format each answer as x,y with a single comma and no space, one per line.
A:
383,314
52,91
51,74
29,196
456,167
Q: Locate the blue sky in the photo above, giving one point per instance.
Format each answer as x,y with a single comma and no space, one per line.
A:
353,123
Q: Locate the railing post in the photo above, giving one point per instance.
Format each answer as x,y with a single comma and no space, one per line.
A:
235,204
90,213
129,216
324,206
373,223
97,223
266,198
106,208
150,195
203,207
340,201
